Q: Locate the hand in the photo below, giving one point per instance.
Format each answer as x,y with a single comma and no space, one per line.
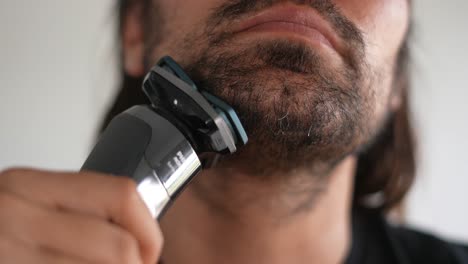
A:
50,217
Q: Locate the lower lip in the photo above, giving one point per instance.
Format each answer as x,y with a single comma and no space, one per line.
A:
302,31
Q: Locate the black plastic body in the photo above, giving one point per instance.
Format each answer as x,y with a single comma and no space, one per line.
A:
144,145
121,147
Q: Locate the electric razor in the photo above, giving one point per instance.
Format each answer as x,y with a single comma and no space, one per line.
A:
160,146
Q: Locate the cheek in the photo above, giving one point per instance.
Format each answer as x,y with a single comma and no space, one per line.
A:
183,11
179,19
383,22
181,16
177,16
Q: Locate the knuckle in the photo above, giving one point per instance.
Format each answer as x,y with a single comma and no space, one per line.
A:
127,193
12,172
7,175
157,247
159,243
9,171
126,249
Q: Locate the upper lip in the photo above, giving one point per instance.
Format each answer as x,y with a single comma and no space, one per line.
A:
305,16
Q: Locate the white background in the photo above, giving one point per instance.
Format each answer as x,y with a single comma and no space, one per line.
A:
57,74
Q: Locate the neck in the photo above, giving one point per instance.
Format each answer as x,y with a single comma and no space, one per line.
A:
232,218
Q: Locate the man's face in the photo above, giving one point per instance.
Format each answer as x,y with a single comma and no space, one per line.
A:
312,81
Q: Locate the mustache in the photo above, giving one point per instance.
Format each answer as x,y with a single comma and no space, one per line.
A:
346,30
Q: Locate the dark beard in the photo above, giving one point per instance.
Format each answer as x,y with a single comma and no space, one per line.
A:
299,111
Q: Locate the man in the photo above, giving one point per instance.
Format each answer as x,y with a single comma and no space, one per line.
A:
321,88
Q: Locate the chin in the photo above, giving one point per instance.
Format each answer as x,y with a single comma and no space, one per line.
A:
299,108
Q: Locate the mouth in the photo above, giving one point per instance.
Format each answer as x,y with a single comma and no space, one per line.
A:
292,20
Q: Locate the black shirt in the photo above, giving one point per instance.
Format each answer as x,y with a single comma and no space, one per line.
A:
375,241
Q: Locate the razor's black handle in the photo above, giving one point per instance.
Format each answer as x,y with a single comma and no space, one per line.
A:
145,146
121,147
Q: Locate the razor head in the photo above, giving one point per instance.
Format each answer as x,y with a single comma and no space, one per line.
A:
213,125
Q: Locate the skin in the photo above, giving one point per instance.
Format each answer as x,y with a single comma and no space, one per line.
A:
226,215
58,217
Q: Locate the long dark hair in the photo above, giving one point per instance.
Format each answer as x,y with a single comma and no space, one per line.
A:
385,170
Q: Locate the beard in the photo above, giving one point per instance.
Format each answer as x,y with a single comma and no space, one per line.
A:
300,111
